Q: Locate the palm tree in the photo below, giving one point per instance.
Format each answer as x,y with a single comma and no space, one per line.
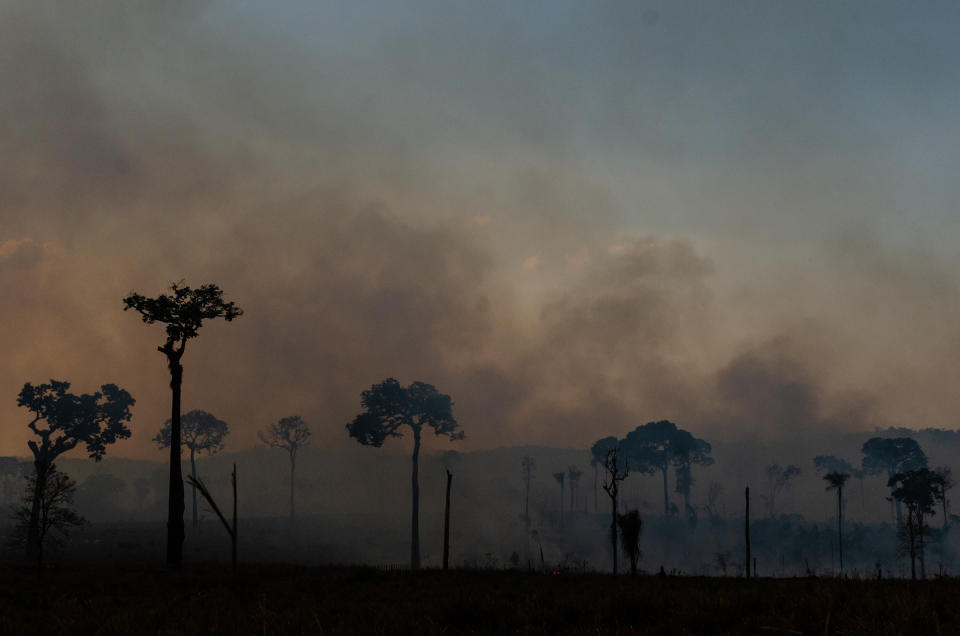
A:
836,481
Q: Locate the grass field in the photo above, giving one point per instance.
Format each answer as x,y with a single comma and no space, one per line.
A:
287,600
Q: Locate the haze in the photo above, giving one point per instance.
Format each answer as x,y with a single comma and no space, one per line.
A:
573,218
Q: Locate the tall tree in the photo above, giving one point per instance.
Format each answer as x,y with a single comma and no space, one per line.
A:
778,479
63,421
917,490
649,448
389,408
615,471
836,481
631,526
598,454
527,465
892,456
200,432
290,434
183,311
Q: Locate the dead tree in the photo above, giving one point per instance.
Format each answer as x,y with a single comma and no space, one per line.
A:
611,485
231,529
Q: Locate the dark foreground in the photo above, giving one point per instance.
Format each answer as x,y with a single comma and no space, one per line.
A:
284,600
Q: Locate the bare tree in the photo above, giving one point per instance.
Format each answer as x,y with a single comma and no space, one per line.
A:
201,432
183,312
290,434
616,470
198,484
389,407
51,498
778,479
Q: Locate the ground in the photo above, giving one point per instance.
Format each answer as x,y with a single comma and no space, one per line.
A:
289,600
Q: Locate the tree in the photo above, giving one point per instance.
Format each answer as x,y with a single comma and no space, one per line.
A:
631,527
560,477
778,479
198,484
650,448
290,434
598,454
200,432
183,312
835,481
616,471
831,464
527,465
49,499
892,456
917,490
63,421
388,408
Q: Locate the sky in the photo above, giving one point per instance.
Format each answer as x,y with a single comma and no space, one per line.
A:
573,217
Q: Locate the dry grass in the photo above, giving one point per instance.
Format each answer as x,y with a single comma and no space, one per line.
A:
285,600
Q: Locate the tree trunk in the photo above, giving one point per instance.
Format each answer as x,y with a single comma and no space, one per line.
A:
561,505
193,471
920,542
746,529
175,504
840,525
446,525
293,467
415,517
613,531
34,541
666,502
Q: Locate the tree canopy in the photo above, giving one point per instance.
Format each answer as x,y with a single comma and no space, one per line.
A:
182,311
892,455
388,407
63,420
201,432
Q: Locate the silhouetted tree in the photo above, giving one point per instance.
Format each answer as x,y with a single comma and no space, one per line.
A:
560,477
631,526
778,479
388,407
45,511
835,481
650,448
200,432
290,434
831,464
917,490
573,475
183,312
527,465
892,456
598,454
616,470
63,421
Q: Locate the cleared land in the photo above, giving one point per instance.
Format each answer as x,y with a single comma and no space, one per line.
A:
286,600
